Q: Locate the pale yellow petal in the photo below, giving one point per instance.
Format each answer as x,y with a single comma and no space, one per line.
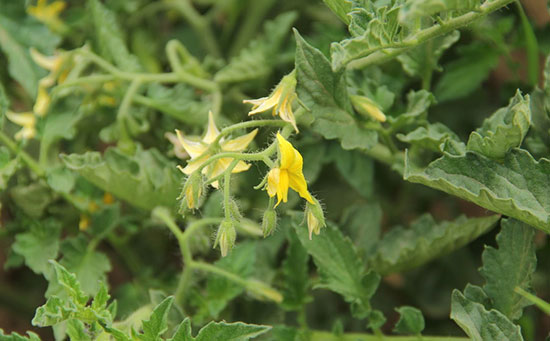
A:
286,114
194,164
287,152
267,103
212,131
45,62
25,119
241,167
240,143
273,181
42,101
218,167
193,148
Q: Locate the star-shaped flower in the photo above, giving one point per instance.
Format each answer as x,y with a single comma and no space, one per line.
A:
198,151
280,100
27,120
288,174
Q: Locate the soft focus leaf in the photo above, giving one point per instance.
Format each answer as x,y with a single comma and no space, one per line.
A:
237,331
295,270
410,321
38,245
157,324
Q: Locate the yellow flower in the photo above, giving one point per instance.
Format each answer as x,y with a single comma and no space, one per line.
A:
43,101
280,100
366,107
27,120
49,13
288,174
197,150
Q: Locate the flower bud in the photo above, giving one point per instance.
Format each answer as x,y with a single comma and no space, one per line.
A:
226,237
269,222
315,218
234,210
366,107
191,192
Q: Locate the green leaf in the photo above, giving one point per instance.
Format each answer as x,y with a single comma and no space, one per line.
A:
341,8
110,39
32,199
516,186
179,102
416,112
481,324
4,104
38,245
505,129
340,268
410,321
356,168
370,31
295,270
363,223
70,283
60,179
324,93
17,34
420,61
17,337
510,266
258,59
414,9
426,240
219,290
146,180
237,331
89,266
8,166
464,75
76,330
184,332
157,324
52,313
432,137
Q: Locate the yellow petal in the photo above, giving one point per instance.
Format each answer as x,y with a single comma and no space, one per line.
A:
194,164
193,148
266,102
25,119
273,182
285,112
282,188
240,143
46,62
42,101
212,131
287,152
241,167
298,183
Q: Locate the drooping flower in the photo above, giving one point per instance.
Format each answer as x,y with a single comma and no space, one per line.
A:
315,218
198,151
366,107
288,174
280,100
27,121
49,13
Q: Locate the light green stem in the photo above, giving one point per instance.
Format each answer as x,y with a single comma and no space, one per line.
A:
29,161
387,52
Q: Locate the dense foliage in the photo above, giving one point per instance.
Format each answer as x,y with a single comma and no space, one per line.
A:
274,170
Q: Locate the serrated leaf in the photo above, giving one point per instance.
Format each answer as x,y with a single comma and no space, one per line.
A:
433,137
157,323
183,332
110,39
410,321
237,331
341,8
257,59
70,283
324,93
295,270
517,186
146,180
414,9
17,34
464,75
416,112
481,324
340,268
503,130
32,199
426,240
219,291
52,313
356,168
38,245
510,266
370,30
89,266
17,337
423,59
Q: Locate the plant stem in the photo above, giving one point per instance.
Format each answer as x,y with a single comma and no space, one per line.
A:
29,161
384,53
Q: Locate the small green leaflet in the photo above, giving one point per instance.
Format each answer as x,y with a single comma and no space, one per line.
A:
237,331
145,180
17,337
410,321
503,130
341,8
510,266
517,186
481,324
340,267
324,92
403,249
157,323
415,9
38,245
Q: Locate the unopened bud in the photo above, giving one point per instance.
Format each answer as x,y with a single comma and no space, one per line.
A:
269,222
315,218
226,237
191,192
366,107
234,209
